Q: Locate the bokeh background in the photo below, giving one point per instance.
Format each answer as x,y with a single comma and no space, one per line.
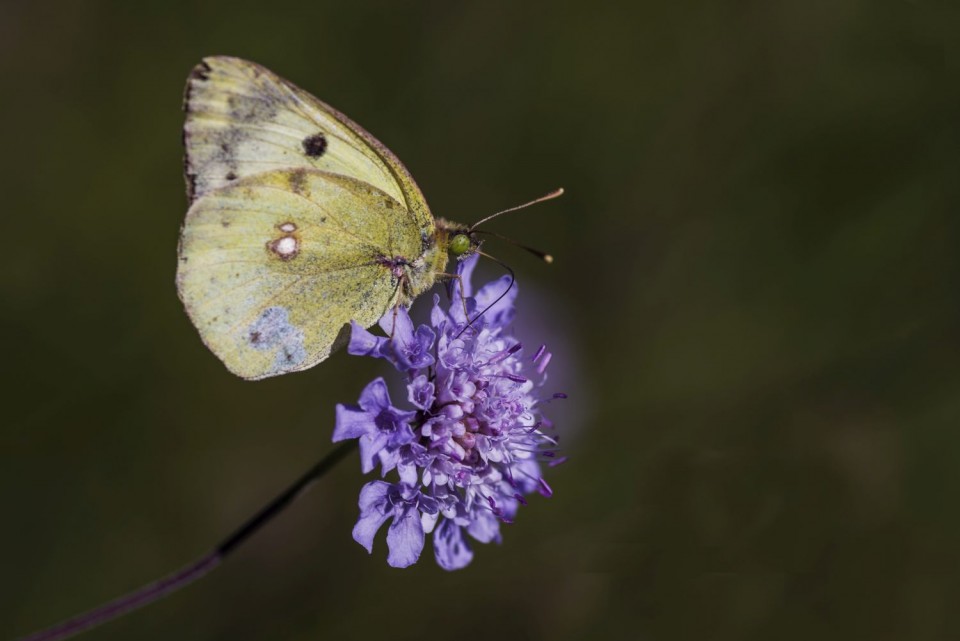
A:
755,302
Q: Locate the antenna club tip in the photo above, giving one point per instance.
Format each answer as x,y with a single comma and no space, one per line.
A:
548,259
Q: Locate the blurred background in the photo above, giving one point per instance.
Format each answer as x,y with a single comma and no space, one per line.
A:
754,308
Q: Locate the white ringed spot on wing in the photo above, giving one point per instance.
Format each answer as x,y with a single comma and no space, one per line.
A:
285,247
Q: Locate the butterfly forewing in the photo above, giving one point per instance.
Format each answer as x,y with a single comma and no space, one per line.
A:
242,119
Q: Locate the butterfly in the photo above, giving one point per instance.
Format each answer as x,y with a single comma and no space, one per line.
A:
299,222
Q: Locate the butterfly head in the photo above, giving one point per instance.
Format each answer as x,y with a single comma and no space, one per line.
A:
463,244
459,240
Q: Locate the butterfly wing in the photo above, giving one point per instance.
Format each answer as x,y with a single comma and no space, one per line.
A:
242,119
275,266
295,212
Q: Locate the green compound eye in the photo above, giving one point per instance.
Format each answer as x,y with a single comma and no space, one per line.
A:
459,245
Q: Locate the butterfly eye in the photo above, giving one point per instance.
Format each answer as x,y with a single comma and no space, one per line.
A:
459,245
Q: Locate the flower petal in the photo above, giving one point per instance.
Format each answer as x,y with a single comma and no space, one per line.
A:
418,353
373,494
375,396
405,539
438,317
402,433
502,312
465,270
420,392
370,445
373,512
407,471
449,547
484,527
526,474
388,460
406,349
428,521
460,290
352,422
363,343
397,324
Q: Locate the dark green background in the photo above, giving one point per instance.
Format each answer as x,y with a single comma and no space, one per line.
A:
755,297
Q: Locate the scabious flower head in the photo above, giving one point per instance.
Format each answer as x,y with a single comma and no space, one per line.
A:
470,445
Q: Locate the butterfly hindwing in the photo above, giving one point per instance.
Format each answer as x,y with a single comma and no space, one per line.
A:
274,266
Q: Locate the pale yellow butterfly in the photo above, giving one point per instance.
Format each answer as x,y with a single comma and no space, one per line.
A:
300,221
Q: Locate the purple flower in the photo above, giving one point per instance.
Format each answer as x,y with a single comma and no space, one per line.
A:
470,447
375,422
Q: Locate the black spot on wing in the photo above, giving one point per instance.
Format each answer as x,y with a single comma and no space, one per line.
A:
315,146
201,71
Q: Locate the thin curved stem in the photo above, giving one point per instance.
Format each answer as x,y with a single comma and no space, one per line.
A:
129,602
158,589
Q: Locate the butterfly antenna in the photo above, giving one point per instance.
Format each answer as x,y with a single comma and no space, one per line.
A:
544,256
513,279
553,194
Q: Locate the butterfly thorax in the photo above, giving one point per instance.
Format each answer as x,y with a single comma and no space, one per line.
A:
419,275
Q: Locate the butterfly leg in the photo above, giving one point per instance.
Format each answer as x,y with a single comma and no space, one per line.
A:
393,326
463,297
402,281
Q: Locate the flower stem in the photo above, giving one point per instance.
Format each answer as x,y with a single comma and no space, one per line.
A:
154,591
